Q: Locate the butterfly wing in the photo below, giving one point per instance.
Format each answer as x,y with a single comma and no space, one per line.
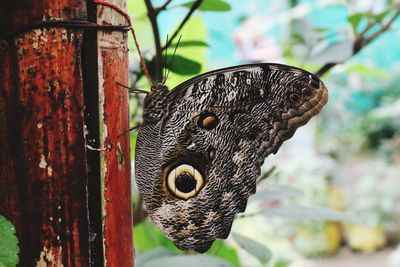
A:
201,149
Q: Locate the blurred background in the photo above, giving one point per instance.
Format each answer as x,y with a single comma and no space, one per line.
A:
331,195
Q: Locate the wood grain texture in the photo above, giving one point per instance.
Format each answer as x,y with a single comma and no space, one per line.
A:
70,204
43,171
115,160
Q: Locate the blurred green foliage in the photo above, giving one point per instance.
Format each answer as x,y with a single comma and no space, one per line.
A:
310,199
148,238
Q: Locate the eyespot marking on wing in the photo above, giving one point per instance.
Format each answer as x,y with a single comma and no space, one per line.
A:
206,120
185,181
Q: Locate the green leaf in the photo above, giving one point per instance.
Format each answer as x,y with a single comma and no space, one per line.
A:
9,249
386,112
191,43
141,260
210,5
355,20
183,66
298,38
258,250
333,53
380,16
194,30
281,262
188,260
299,213
149,237
320,29
367,71
242,18
275,192
221,250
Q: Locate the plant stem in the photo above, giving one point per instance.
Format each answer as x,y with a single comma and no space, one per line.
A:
158,59
139,213
361,41
383,29
187,17
162,7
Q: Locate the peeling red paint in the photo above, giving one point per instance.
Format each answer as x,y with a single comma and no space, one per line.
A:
43,159
46,164
117,183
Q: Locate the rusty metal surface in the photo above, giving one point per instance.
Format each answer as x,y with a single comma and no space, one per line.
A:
43,160
114,113
15,13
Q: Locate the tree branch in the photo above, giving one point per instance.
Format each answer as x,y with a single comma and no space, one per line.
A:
162,7
139,213
361,41
158,59
187,17
383,29
152,13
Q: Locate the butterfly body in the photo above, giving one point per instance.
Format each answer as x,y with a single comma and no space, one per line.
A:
200,150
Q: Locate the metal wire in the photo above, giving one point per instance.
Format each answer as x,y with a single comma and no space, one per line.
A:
67,24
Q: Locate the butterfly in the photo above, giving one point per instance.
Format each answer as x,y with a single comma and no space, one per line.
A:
201,146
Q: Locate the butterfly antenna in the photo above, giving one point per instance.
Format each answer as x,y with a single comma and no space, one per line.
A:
165,62
127,131
172,58
132,90
134,128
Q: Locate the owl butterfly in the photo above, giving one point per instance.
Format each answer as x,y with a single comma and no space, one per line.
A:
202,144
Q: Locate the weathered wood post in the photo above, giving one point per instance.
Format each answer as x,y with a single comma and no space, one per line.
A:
64,172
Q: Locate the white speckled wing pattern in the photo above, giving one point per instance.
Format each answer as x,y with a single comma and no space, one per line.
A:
258,107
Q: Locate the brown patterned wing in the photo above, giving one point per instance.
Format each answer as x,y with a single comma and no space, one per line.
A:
200,151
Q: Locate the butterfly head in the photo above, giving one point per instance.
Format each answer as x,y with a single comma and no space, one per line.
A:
155,104
159,88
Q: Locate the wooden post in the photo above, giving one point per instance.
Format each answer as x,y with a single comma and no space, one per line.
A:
112,52
64,173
